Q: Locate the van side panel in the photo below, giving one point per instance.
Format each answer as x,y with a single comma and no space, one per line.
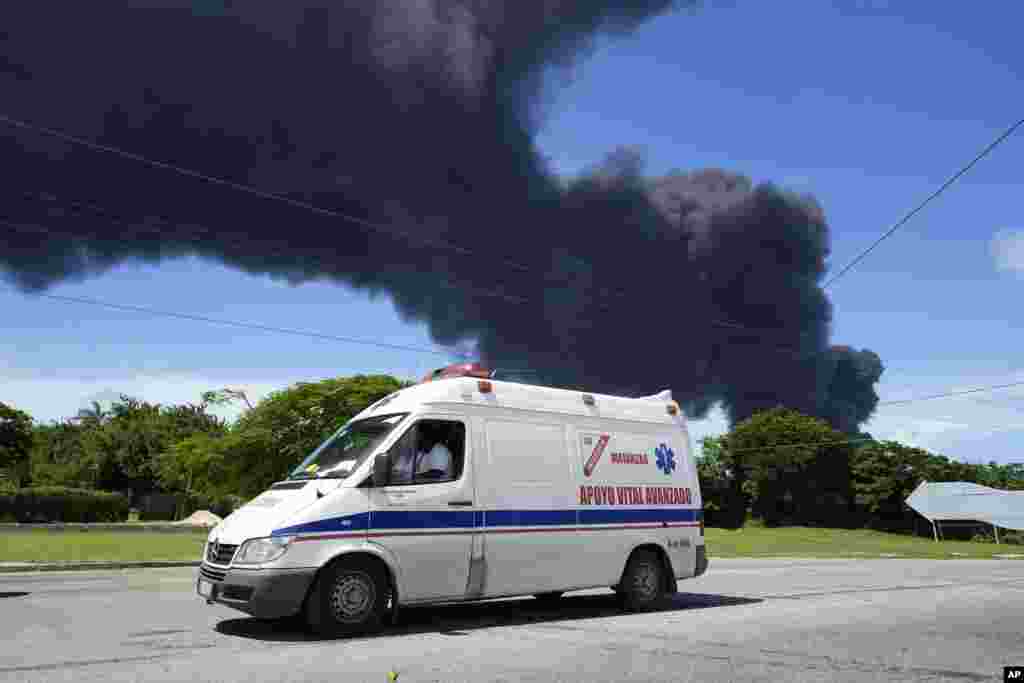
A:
528,515
634,485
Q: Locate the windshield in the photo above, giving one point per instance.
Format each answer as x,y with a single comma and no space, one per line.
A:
342,453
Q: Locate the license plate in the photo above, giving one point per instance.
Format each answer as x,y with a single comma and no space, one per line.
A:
205,588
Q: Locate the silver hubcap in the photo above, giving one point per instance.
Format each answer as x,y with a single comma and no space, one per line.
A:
352,597
645,581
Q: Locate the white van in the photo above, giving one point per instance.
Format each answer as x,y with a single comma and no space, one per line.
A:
465,488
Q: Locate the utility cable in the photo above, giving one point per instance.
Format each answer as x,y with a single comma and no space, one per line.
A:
860,257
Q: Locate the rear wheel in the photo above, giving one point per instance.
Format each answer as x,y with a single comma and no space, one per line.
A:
642,585
349,598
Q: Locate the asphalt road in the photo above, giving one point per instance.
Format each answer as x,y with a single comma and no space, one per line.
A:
746,620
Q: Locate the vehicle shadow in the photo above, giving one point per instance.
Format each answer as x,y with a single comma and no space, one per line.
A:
460,619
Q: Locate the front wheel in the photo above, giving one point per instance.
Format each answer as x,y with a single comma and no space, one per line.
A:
348,598
642,585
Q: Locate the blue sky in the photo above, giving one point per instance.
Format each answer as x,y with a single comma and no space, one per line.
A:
869,106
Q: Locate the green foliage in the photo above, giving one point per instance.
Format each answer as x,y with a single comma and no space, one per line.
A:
793,467
269,440
196,463
60,455
787,467
886,473
118,449
220,505
15,441
59,504
1006,477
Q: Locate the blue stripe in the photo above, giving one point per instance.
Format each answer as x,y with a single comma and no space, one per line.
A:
529,517
469,519
427,519
358,522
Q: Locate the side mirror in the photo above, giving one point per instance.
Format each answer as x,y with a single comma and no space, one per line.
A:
381,469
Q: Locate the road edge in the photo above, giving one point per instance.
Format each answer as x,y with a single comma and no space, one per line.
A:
23,567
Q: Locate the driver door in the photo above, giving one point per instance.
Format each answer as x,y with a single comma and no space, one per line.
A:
426,521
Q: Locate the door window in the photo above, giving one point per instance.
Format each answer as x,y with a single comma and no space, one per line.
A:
431,452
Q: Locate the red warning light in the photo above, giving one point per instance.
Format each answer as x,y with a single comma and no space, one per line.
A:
459,370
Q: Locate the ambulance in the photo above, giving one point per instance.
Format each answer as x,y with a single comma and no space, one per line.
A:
465,488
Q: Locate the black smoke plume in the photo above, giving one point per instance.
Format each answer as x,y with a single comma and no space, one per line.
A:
419,116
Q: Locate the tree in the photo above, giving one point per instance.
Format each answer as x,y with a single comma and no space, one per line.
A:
715,475
60,457
221,397
886,473
15,441
795,467
1006,477
93,416
282,429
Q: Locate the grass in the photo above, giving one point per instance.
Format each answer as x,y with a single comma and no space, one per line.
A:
49,546
67,546
842,543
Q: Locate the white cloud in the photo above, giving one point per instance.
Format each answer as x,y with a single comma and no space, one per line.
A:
1008,250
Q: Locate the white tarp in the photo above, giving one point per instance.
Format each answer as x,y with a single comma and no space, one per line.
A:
961,500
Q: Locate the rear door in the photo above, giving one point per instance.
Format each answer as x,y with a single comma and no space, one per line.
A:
425,518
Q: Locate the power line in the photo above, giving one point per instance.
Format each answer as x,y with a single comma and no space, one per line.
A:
241,241
953,393
808,444
927,200
263,194
199,232
248,189
235,323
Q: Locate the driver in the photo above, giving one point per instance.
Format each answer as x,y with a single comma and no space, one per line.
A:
434,457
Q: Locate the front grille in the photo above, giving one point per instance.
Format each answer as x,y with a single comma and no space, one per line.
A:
220,553
208,572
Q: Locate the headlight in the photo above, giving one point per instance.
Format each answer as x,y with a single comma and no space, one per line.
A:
260,550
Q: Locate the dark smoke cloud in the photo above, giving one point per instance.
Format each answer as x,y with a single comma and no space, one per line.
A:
419,114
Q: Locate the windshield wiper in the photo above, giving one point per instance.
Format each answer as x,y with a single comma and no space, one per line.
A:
336,474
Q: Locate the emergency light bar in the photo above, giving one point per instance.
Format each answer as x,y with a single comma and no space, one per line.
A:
458,370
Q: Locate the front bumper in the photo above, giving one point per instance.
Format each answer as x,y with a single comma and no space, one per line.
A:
262,593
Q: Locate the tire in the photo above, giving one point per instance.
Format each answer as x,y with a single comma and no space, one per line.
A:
643,583
548,598
349,598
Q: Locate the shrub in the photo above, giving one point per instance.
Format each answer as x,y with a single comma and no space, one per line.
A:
222,506
158,507
60,504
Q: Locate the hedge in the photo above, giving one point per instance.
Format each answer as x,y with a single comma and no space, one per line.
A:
168,507
60,504
222,506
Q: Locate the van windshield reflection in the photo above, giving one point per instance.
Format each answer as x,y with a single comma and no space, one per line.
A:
346,449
